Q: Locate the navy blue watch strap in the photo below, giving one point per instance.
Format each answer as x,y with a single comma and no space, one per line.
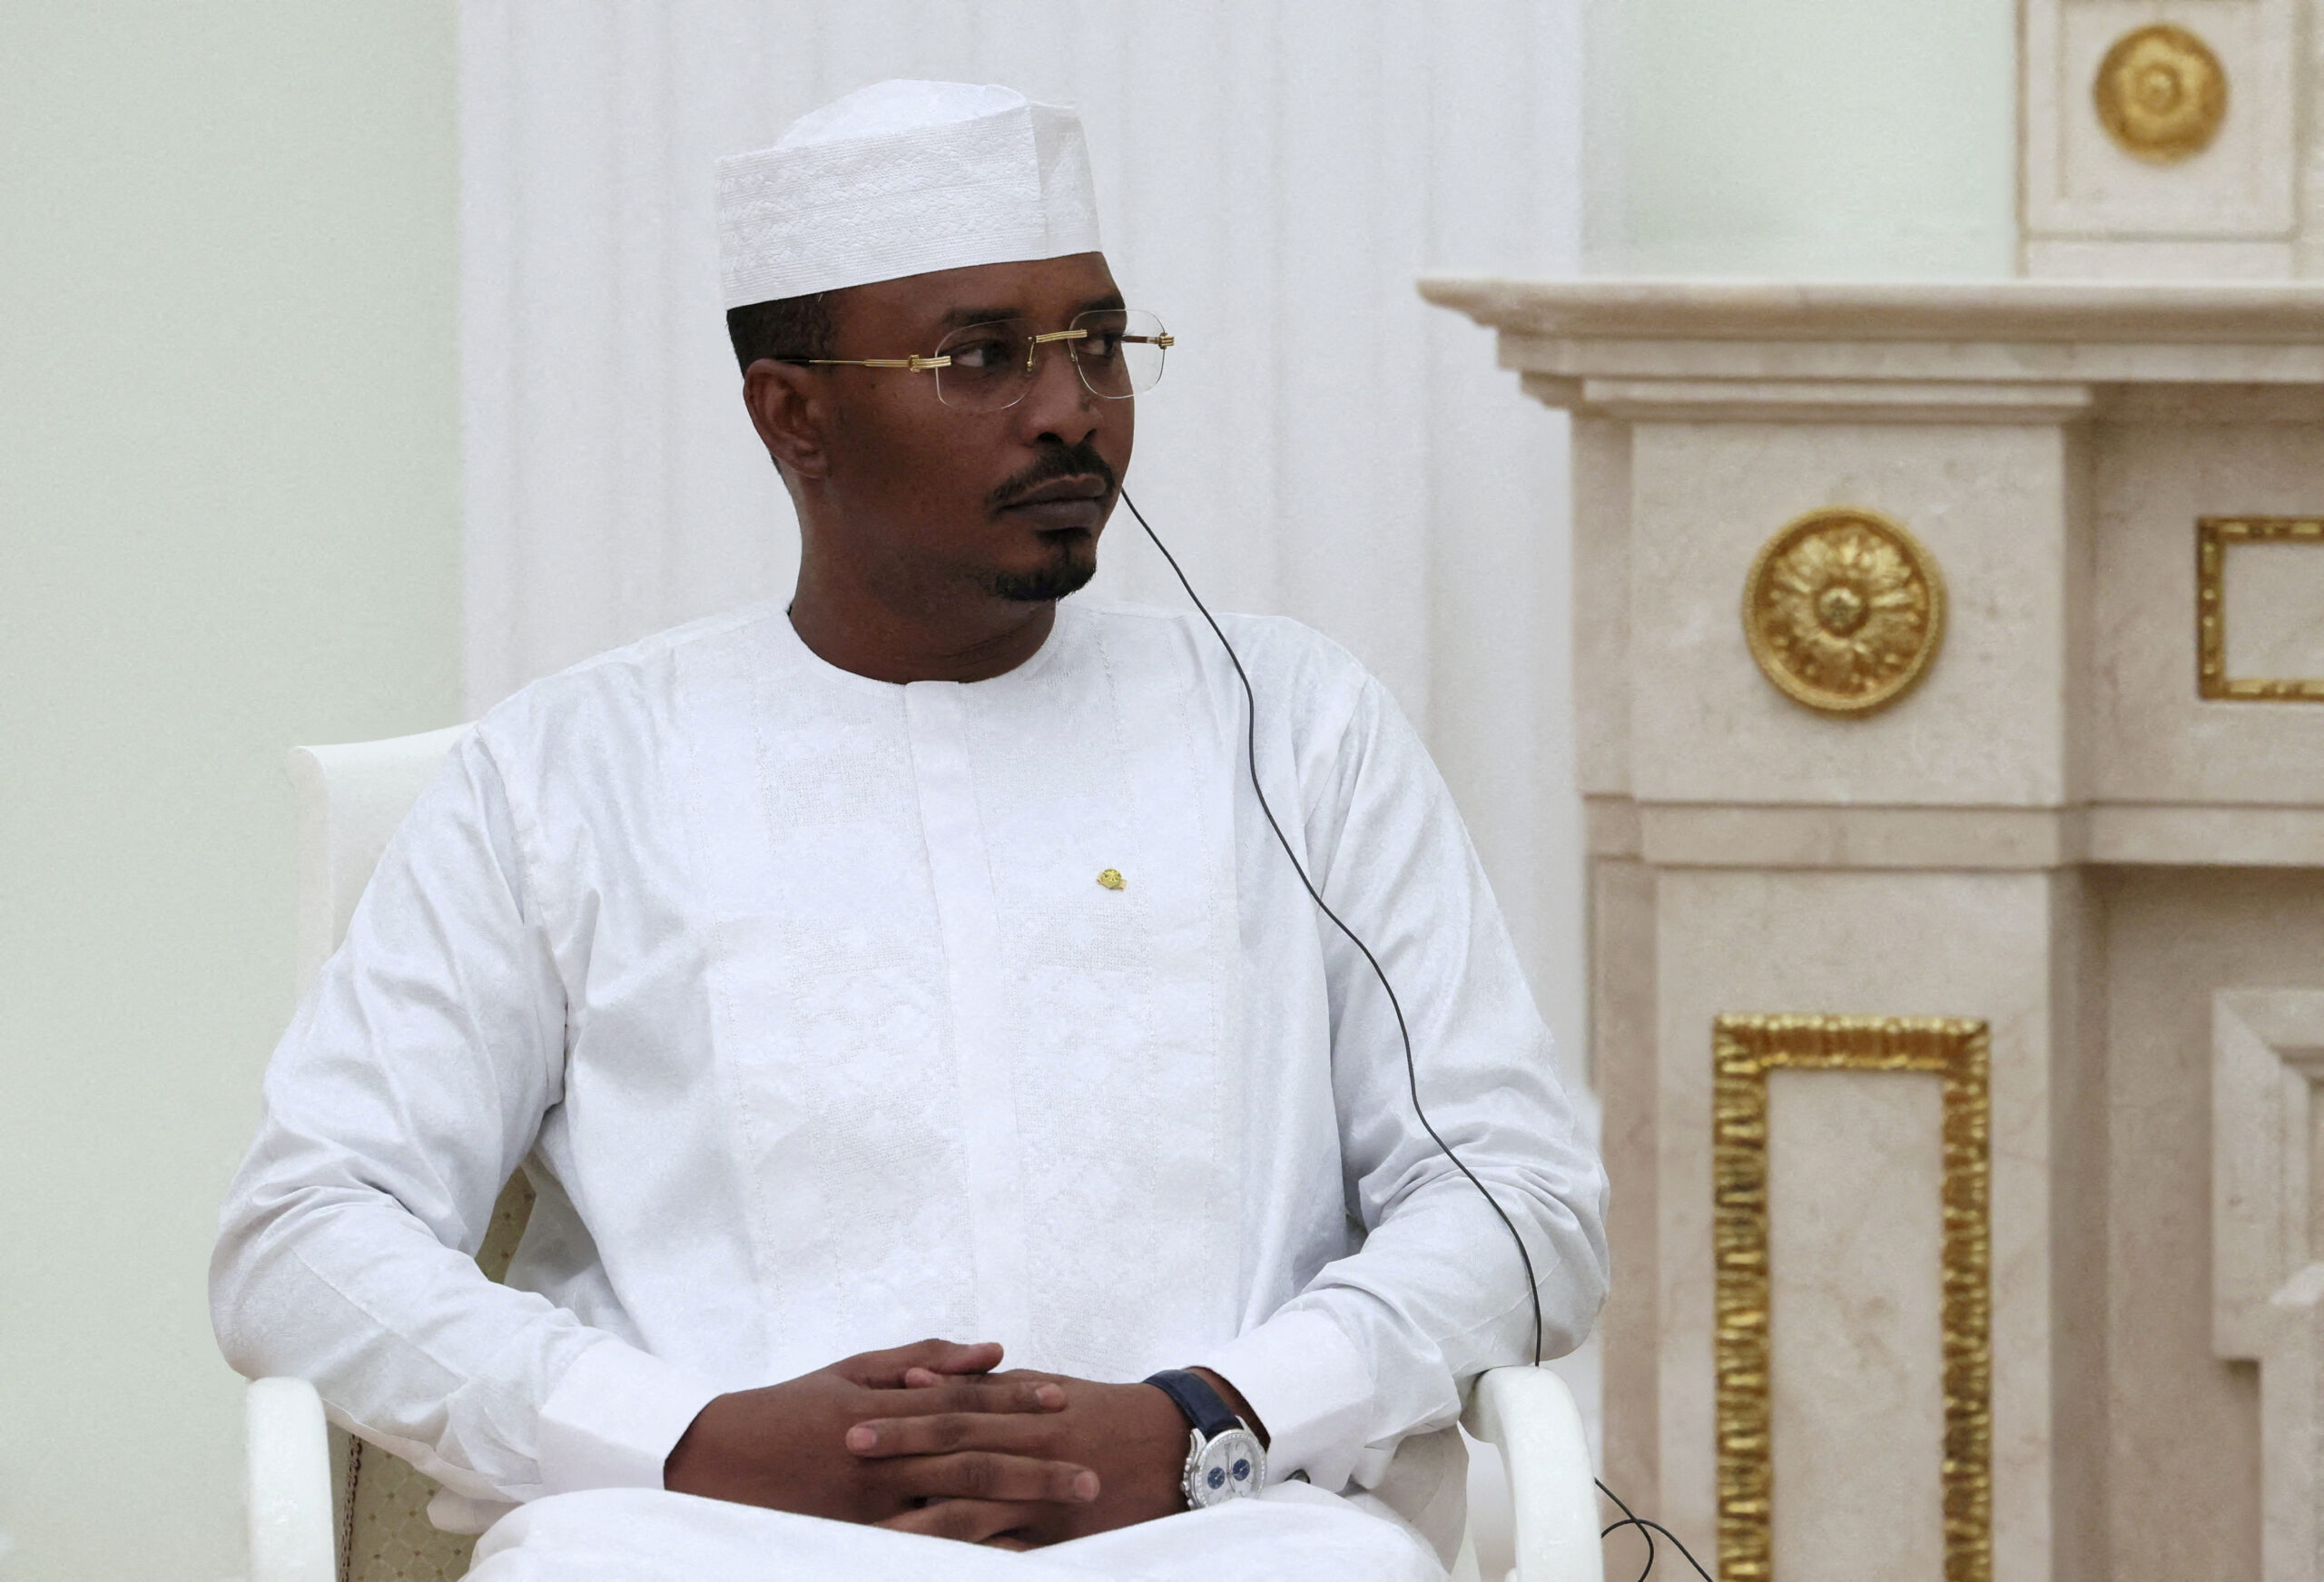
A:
1198,1400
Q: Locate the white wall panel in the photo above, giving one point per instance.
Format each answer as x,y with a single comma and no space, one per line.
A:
1272,176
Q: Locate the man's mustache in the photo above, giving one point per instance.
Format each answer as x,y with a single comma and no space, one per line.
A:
1063,461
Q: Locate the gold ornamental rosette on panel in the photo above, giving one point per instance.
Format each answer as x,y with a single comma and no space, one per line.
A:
1744,1050
1844,610
2161,94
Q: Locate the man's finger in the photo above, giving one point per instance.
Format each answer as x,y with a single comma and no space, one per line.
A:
989,1475
976,1395
940,1432
886,1370
972,1521
919,1378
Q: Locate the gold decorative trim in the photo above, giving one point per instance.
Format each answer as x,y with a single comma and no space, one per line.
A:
2161,94
2212,535
1744,1050
1844,610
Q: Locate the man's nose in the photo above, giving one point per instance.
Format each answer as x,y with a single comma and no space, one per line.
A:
1060,405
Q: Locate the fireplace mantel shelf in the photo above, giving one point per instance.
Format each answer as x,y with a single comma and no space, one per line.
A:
2077,311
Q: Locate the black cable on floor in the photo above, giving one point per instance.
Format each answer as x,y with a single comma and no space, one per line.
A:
1647,1529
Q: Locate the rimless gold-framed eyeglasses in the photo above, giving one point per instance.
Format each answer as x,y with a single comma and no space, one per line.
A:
988,366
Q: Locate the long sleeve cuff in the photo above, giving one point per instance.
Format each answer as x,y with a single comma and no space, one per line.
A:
1310,1386
614,1418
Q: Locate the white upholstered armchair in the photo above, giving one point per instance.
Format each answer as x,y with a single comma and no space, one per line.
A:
326,1511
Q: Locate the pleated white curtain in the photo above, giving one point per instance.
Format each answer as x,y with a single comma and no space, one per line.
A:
1273,174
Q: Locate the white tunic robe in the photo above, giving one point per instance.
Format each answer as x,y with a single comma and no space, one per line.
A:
799,998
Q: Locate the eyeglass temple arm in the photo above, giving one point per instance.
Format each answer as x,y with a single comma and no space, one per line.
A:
921,365
917,364
1033,346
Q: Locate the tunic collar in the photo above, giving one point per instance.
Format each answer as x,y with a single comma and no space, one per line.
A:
794,655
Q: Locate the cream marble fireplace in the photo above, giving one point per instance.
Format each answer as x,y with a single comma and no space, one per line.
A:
1980,1237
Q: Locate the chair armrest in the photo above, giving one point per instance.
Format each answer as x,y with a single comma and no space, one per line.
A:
287,1461
1529,1414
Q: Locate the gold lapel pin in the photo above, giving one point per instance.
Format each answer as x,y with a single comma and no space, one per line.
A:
1111,879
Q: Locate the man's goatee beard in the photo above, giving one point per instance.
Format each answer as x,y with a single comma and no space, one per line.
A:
1067,573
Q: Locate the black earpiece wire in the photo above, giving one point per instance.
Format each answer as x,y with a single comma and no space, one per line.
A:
1412,1070
1647,1529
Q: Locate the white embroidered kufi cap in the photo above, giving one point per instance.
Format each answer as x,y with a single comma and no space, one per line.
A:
899,179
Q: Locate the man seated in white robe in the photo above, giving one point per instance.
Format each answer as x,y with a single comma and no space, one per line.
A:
915,959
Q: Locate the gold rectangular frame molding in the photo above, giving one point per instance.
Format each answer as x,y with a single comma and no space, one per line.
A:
1745,1049
2212,535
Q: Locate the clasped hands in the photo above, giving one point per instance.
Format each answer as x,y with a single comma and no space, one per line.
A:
928,1439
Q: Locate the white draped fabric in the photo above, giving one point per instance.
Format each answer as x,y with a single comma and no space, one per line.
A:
828,1014
1271,175
1291,1534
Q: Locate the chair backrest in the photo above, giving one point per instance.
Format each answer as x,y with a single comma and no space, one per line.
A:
350,799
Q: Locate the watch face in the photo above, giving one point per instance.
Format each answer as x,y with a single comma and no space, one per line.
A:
1227,1467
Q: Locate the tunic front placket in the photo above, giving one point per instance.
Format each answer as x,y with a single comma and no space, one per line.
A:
938,720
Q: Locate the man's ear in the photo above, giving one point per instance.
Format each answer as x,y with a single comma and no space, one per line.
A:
789,407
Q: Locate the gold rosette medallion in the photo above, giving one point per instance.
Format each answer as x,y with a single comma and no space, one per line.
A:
1844,610
2161,94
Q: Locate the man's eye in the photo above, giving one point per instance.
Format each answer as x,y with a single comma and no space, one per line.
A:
981,355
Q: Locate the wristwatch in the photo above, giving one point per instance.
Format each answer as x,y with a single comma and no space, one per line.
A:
1225,1459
